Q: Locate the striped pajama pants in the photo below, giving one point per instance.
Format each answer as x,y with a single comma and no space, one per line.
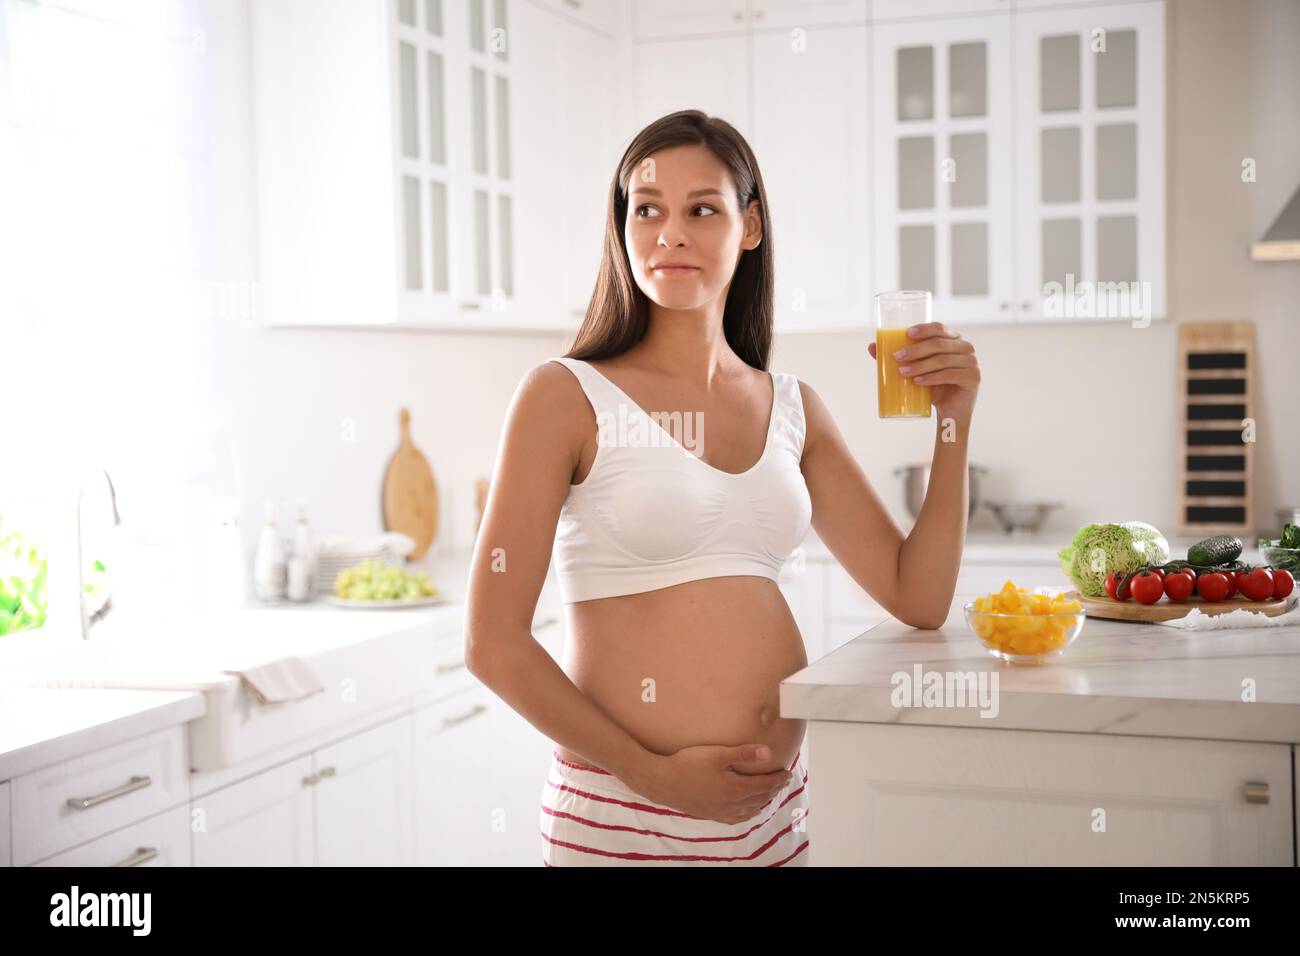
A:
591,818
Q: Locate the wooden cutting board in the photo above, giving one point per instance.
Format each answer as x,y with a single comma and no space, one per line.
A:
1166,610
410,495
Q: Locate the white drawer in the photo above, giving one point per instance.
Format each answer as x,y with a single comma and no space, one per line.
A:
162,840
123,784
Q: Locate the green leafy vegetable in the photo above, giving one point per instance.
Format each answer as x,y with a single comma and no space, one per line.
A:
1100,549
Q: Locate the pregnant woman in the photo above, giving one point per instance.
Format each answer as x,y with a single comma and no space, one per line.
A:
672,476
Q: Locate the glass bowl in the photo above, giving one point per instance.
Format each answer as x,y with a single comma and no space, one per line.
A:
1288,558
1024,638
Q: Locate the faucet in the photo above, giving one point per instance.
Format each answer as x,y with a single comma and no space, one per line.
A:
88,618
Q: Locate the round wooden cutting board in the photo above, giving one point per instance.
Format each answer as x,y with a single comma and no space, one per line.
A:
1166,610
410,495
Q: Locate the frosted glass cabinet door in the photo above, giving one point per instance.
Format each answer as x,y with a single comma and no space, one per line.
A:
1090,158
943,164
422,61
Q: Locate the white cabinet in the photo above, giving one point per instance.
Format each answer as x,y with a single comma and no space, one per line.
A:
1090,94
265,820
943,171
604,16
162,840
73,802
708,73
675,18
561,201
480,769
346,804
883,11
384,163
363,798
812,89
800,98
924,796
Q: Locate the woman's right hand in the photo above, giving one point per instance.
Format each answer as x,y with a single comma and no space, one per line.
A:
711,782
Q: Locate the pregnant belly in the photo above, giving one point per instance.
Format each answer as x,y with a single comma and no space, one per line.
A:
696,663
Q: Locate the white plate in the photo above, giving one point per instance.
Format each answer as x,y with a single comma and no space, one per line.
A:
405,602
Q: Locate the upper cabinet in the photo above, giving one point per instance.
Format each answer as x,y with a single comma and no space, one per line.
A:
398,153
796,89
1019,162
1090,162
943,163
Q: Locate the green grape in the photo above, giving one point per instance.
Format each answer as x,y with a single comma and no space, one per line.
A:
375,581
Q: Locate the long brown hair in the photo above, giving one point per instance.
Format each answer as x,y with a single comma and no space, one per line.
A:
619,311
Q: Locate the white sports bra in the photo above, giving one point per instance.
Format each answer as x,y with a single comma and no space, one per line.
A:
651,514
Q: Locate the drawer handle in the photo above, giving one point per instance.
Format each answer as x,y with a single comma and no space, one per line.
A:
141,855
449,668
1256,792
328,772
473,712
85,803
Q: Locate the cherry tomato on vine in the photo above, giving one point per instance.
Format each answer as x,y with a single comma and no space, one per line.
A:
1258,585
1283,583
1179,586
1146,587
1212,586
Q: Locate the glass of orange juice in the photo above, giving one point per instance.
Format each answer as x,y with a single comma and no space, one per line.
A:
899,396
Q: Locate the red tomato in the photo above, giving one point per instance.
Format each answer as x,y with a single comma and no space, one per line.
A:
1112,584
1234,582
1283,583
1146,587
1212,586
1179,587
1258,585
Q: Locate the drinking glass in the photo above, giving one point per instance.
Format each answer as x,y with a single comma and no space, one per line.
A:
899,396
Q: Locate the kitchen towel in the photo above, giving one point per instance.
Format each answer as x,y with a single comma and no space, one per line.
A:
1197,621
280,681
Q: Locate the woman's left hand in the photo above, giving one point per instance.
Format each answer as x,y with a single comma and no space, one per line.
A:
942,359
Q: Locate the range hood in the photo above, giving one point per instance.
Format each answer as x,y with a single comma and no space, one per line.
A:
1282,241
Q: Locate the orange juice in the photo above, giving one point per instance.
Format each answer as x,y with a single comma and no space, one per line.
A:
899,396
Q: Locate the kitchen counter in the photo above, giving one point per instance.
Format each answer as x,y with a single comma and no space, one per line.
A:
1116,678
44,726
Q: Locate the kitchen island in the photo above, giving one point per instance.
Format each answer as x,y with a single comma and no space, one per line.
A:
1141,745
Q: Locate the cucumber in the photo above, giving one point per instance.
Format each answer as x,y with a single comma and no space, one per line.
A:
1220,549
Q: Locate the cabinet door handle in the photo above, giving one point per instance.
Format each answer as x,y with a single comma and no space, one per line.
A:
141,855
1003,306
85,803
1024,306
1256,792
473,712
471,306
311,780
328,772
576,4
738,16
449,668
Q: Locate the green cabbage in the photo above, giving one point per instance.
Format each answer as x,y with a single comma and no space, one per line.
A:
1100,549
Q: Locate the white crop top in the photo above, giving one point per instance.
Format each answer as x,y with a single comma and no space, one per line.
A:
651,514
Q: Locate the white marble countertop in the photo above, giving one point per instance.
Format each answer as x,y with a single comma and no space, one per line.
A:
43,726
1116,678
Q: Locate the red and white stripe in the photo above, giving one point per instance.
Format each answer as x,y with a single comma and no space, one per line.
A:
591,818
